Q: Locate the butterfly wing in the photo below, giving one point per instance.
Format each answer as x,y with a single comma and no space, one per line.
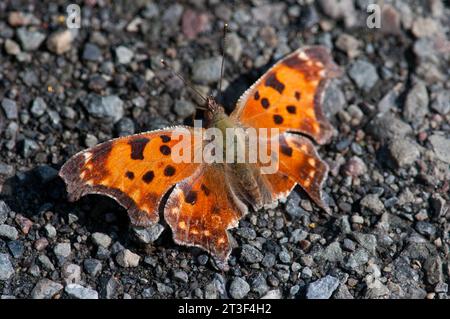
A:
289,95
135,170
201,208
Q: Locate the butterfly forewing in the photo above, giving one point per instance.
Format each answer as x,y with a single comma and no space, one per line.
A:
135,170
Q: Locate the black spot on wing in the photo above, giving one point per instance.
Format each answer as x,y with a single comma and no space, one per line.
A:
205,190
137,147
274,83
129,175
164,149
165,138
148,177
256,96
265,103
291,109
190,197
286,150
278,119
169,170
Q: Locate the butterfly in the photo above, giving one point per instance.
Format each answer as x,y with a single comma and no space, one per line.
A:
205,200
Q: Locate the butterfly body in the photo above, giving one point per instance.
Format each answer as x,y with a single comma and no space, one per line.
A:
208,198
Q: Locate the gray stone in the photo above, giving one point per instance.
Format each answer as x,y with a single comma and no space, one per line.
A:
403,152
349,44
364,74
416,104
12,47
164,289
211,291
124,55
46,262
101,239
108,108
368,241
46,173
8,232
298,235
441,147
16,248
125,127
46,289
433,270
259,284
246,232
71,273
62,252
332,253
388,126
127,259
150,234
50,230
6,268
79,292
4,211
29,147
250,254
181,276
441,102
91,52
60,42
389,101
342,293
92,266
354,167
343,9
234,46
7,171
322,288
30,40
376,289
10,108
334,99
292,206
239,288
184,108
307,273
425,27
284,256
102,253
38,107
357,259
273,294
206,71
110,287
269,260
372,203
426,228
349,244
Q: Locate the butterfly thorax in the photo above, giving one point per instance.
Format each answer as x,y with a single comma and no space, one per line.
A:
244,178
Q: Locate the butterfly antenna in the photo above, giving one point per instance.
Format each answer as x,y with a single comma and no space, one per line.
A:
222,67
189,85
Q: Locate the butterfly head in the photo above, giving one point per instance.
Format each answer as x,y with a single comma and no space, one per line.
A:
213,109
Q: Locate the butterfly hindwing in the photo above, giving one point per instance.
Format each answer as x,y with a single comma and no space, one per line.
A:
135,170
289,95
201,208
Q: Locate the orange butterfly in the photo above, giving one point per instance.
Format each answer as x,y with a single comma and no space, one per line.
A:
207,199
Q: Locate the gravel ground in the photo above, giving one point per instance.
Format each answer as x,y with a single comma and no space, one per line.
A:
62,91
